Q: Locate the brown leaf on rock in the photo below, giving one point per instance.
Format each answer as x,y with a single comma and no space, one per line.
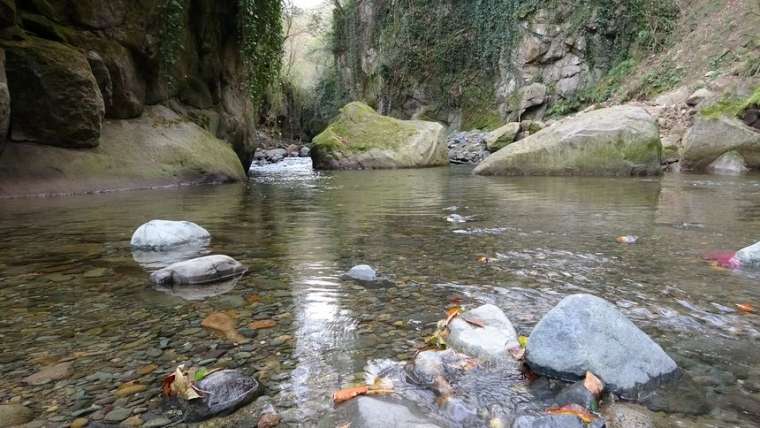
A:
573,409
262,324
593,384
452,313
476,323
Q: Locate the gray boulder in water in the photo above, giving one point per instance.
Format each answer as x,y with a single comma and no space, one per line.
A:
163,234
586,333
362,273
489,342
223,393
749,256
202,270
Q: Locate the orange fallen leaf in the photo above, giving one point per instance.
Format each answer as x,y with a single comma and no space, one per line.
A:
166,385
223,324
349,393
262,324
483,259
573,409
745,308
593,384
452,313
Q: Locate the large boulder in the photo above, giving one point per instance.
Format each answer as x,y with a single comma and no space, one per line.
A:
586,333
360,138
616,141
710,138
202,270
164,234
159,148
54,96
502,137
489,342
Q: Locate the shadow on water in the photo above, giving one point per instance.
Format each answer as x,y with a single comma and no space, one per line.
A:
71,290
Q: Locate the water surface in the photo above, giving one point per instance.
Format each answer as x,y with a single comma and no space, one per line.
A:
72,291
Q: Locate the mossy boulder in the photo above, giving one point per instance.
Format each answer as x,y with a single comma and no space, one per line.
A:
616,141
160,148
502,137
360,138
55,98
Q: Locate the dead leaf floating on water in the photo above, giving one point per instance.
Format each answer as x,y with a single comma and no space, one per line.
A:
593,384
574,410
484,260
745,308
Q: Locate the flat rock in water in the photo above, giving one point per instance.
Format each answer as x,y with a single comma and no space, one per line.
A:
201,270
49,374
370,412
224,392
489,342
362,273
163,234
14,414
586,333
552,421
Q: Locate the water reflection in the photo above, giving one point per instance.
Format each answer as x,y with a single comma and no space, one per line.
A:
70,282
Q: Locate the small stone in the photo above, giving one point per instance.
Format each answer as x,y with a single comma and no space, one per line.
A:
49,374
118,414
262,324
79,423
157,422
96,273
154,352
132,422
128,389
248,332
150,368
362,273
280,340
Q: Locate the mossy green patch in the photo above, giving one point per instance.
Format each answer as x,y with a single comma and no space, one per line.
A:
731,106
358,128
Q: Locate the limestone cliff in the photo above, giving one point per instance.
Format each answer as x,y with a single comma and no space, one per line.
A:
79,68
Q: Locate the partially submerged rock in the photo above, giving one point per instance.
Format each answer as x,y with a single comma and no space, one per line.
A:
223,392
586,333
749,256
165,234
730,163
710,138
489,342
360,138
362,273
370,412
202,270
616,141
429,365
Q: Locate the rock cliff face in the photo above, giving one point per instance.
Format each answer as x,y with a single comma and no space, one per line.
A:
77,68
477,64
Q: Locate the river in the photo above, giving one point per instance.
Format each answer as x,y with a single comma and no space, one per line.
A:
71,290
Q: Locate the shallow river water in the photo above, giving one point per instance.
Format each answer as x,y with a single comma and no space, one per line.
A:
72,292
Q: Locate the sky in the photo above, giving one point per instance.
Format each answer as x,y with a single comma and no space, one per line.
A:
307,4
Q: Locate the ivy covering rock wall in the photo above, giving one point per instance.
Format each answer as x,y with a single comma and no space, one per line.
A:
73,65
477,64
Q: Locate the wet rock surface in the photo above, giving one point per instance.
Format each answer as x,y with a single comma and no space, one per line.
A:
202,270
488,334
224,392
165,234
585,333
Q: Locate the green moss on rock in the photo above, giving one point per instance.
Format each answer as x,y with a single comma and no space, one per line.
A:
361,138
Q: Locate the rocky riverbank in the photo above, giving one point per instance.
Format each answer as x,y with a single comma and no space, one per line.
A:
113,95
